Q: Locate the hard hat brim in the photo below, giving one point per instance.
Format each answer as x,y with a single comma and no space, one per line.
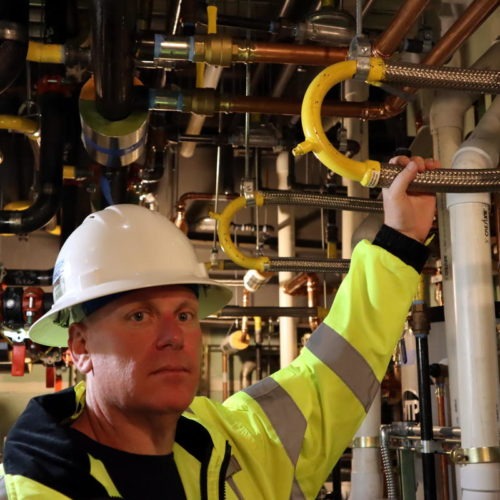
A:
46,331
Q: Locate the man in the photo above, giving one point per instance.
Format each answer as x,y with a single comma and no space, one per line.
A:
128,298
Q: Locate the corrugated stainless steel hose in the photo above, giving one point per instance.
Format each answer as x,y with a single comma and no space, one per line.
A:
446,180
421,76
325,201
295,264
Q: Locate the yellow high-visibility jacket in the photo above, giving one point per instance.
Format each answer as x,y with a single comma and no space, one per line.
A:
278,439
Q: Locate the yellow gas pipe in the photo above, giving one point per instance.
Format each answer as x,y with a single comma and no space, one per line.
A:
366,172
224,231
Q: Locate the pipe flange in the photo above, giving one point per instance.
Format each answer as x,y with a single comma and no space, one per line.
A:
482,455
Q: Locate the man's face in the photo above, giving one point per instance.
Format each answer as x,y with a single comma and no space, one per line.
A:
142,351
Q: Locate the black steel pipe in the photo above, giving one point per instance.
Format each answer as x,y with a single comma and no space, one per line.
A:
53,129
427,436
420,326
113,37
13,50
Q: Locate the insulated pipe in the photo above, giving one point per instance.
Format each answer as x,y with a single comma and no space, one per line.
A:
474,311
286,248
113,143
13,48
53,128
372,173
263,263
113,39
113,112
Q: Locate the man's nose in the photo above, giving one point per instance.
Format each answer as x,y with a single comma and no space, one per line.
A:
170,332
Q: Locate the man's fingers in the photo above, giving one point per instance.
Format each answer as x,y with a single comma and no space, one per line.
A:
401,160
405,177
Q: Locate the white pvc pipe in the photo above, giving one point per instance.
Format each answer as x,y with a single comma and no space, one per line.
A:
366,468
475,313
195,124
447,122
357,130
286,248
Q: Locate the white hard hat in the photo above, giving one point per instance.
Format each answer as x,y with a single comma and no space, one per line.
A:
122,248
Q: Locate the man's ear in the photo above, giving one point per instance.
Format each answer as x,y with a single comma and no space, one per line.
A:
77,343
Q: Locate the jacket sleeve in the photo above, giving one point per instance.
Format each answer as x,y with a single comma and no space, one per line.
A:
305,415
317,403
347,356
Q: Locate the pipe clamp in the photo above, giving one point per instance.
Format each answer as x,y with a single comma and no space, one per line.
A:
366,442
482,455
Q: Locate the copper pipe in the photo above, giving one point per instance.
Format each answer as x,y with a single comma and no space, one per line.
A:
389,41
472,18
310,283
193,196
281,106
283,53
180,217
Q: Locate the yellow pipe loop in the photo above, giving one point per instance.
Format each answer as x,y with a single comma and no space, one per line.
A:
224,231
366,172
18,124
52,53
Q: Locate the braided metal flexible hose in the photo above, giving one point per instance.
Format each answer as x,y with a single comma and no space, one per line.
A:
446,180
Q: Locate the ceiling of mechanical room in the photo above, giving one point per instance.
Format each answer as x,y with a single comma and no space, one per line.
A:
287,43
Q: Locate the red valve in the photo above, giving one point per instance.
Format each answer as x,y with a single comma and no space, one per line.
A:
50,376
18,359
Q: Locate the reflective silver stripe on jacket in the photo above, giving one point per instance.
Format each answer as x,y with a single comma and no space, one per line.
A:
286,418
342,358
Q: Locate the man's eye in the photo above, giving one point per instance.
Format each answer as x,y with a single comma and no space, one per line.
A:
137,316
186,316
